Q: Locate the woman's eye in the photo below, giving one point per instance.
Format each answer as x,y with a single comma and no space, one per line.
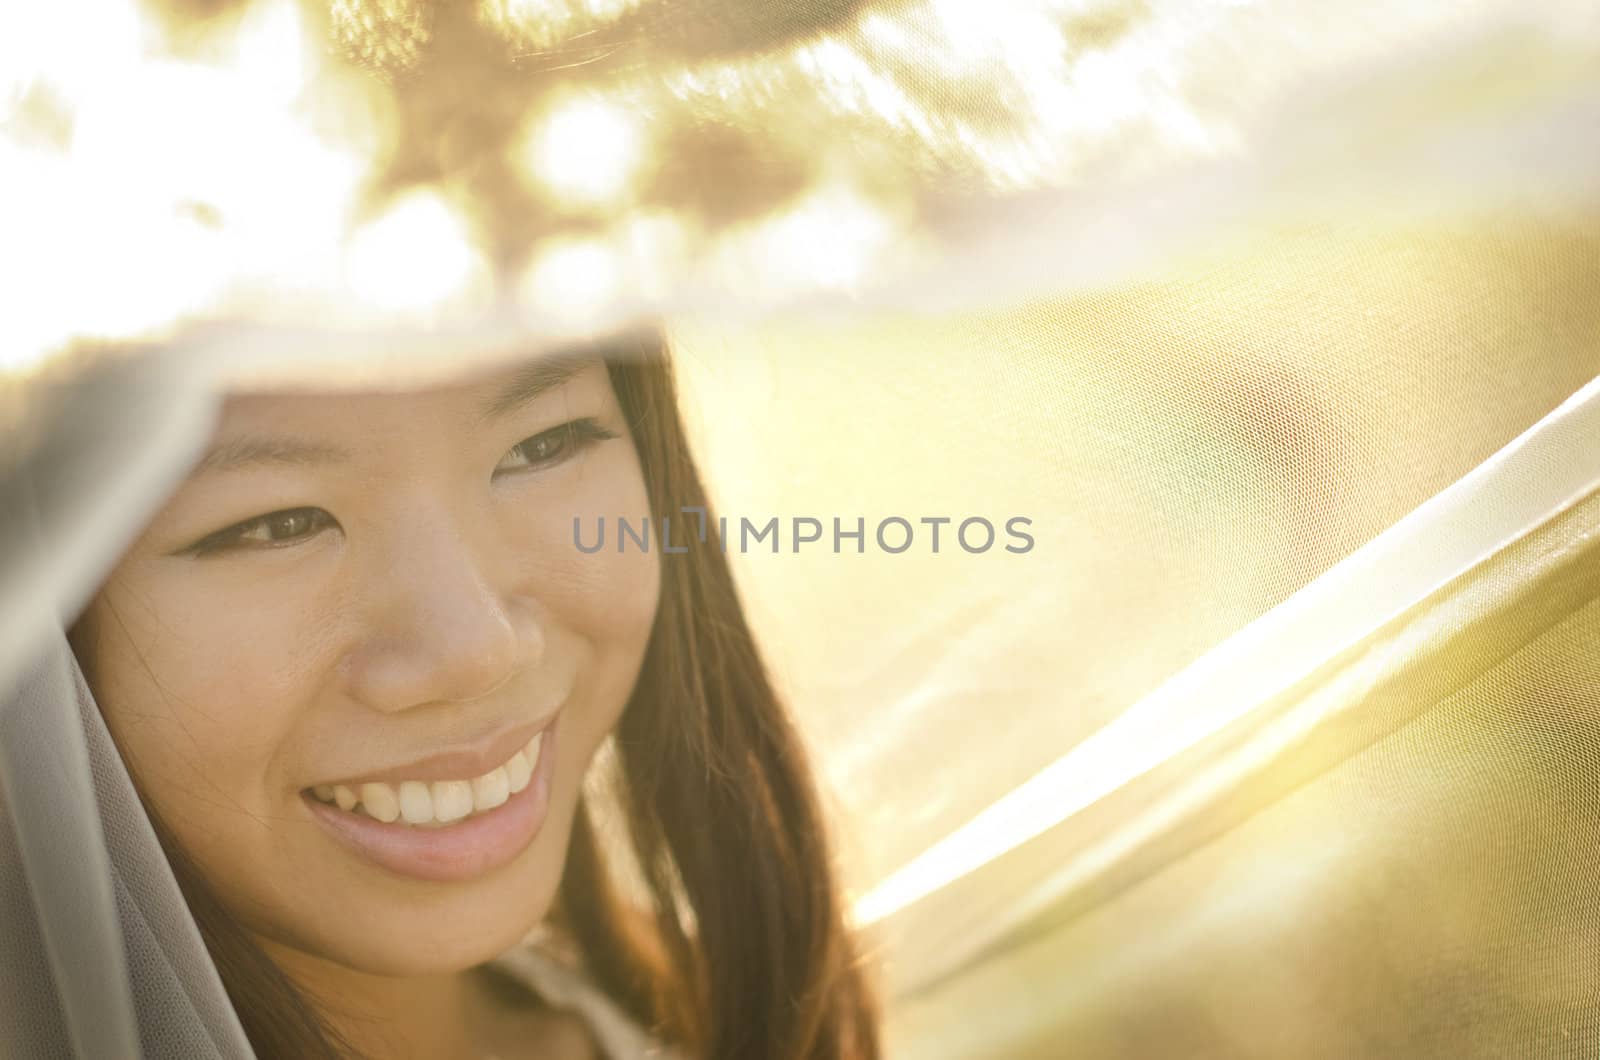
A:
553,446
267,531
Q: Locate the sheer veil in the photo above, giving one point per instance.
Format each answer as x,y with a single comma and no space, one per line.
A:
101,956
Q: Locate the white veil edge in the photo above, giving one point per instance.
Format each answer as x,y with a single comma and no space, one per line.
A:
97,938
1413,592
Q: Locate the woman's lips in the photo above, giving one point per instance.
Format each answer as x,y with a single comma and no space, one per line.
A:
466,761
462,850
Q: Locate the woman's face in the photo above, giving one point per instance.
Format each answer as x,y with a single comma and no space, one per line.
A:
377,597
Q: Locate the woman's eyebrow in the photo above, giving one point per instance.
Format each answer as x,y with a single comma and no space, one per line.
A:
535,379
259,450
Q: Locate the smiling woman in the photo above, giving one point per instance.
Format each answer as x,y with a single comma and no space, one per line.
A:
1157,460
359,674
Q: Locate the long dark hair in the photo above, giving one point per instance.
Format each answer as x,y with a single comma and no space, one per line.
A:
744,950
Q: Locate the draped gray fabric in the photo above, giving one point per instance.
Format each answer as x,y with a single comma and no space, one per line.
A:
110,936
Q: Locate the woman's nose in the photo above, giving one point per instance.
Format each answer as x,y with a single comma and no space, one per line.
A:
439,628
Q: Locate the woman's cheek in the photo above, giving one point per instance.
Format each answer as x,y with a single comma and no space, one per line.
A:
607,598
232,680
609,594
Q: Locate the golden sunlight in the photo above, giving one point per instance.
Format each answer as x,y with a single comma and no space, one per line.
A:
585,151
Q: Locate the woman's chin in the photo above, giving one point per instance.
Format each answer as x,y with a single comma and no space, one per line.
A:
405,944
401,928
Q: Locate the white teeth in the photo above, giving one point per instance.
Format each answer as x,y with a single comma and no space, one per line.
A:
491,790
380,801
416,803
518,776
452,800
517,772
442,802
